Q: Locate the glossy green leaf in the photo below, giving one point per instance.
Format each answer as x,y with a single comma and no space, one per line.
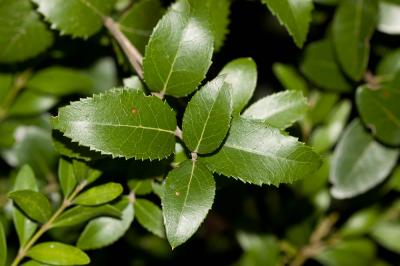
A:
295,15
32,203
207,117
56,253
359,162
179,52
138,22
278,110
104,231
81,214
389,14
259,154
24,226
99,195
353,25
60,81
79,18
241,74
219,20
360,222
387,234
66,176
380,111
141,187
122,123
34,263
3,246
31,103
150,217
188,196
319,66
290,78
21,25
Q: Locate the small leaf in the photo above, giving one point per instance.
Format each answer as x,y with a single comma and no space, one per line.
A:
279,110
3,246
179,52
150,217
258,250
67,177
82,171
99,194
380,111
321,104
81,214
56,253
34,263
241,74
389,14
295,15
60,81
122,123
389,65
207,117
290,79
360,223
33,203
66,147
319,66
104,231
138,22
353,26
21,25
359,163
79,18
141,187
188,196
387,234
259,154
31,103
134,83
219,20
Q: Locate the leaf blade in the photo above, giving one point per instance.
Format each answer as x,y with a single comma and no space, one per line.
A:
56,253
33,203
150,217
99,195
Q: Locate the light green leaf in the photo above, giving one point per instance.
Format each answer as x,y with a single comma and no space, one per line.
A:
316,182
241,74
361,222
104,231
389,18
138,22
6,82
121,123
259,154
99,195
394,182
319,66
207,117
31,103
380,111
141,187
295,15
103,74
353,25
81,214
278,110
389,65
3,246
34,263
188,196
258,250
134,83
32,203
359,163
60,81
387,234
290,79
79,18
219,20
24,226
82,172
150,217
321,104
56,253
179,52
67,177
21,25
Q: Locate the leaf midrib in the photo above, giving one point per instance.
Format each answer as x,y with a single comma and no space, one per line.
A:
123,125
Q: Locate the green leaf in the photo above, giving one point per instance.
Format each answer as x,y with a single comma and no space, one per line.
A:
241,74
150,217
103,74
380,111
179,52
389,65
389,14
321,104
290,79
219,20
259,154
79,18
295,15
83,172
67,177
21,25
353,25
279,110
99,195
319,66
122,123
34,263
32,203
31,103
24,226
188,196
134,83
81,214
258,250
60,81
66,147
360,222
316,182
141,187
138,22
3,246
394,182
104,231
6,85
359,163
207,117
56,253
387,234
